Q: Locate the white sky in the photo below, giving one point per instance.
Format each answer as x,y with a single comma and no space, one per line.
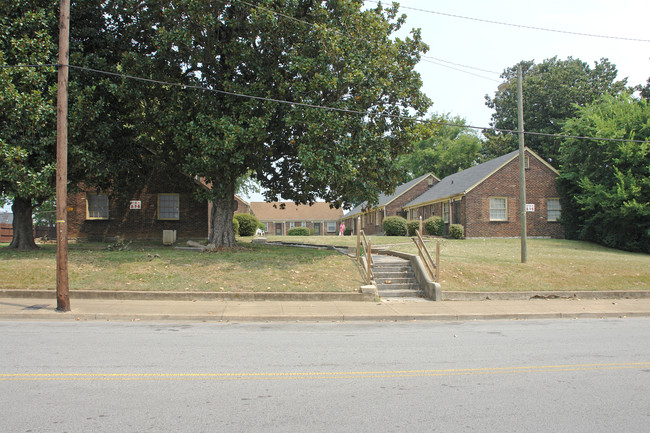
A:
495,47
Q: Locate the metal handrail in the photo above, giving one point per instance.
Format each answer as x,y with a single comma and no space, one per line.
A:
433,268
367,251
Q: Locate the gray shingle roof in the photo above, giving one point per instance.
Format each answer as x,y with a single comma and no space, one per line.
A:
384,199
460,182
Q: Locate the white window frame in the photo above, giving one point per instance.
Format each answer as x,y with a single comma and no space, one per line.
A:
331,226
169,205
94,209
496,207
553,212
445,212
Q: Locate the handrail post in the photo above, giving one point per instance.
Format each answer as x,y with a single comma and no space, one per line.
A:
369,260
420,224
437,261
358,227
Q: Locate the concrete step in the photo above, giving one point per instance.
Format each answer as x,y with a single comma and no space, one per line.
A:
391,268
394,281
389,274
400,293
394,277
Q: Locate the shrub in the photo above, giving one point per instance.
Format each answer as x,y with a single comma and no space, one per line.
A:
235,226
262,226
247,224
348,231
456,231
412,226
434,226
298,231
395,226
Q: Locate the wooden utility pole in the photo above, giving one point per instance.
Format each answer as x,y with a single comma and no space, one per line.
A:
522,166
62,289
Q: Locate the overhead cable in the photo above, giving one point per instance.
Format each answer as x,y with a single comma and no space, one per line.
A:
518,25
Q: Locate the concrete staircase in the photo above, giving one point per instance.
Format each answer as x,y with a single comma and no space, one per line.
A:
394,277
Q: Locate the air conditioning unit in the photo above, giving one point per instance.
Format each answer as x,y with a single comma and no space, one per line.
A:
169,237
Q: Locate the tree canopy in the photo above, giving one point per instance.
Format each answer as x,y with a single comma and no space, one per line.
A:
443,149
552,93
100,151
309,54
605,185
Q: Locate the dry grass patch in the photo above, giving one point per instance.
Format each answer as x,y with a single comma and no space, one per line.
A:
248,268
494,265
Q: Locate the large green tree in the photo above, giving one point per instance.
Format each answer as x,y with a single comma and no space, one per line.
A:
27,110
328,53
100,146
445,148
552,92
605,185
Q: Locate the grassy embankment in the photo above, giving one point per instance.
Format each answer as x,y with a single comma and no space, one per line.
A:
471,264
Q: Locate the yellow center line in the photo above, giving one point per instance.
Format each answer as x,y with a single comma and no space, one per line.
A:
317,375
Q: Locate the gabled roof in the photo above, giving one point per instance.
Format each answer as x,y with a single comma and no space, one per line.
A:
386,199
461,182
319,211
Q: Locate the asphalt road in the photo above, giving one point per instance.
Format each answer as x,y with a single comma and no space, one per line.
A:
506,376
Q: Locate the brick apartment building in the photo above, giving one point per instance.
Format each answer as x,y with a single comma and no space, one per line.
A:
388,205
161,203
484,199
320,218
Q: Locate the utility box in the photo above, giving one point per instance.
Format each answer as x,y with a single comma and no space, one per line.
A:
169,237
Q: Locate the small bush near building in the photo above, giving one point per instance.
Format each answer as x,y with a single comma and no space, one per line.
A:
348,231
262,226
395,226
298,231
247,224
434,226
235,226
412,226
456,231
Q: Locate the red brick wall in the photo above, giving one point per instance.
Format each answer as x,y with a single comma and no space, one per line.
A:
286,226
6,232
141,223
372,223
540,185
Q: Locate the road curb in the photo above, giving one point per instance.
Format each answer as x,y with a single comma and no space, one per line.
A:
193,296
134,317
318,296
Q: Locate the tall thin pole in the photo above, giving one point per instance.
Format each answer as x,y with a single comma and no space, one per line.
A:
62,289
522,166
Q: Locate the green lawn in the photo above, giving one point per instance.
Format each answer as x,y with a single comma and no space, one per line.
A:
470,264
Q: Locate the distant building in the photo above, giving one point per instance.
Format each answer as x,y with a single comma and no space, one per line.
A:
279,217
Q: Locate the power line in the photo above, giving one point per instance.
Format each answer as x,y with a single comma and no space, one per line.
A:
322,107
517,25
348,36
460,70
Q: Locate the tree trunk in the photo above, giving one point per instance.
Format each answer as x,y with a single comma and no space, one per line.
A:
221,230
23,237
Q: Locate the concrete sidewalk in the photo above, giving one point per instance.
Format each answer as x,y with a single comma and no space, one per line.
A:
259,311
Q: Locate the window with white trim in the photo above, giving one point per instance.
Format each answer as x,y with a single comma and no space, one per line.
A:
292,224
553,209
331,227
168,208
445,212
498,209
96,206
